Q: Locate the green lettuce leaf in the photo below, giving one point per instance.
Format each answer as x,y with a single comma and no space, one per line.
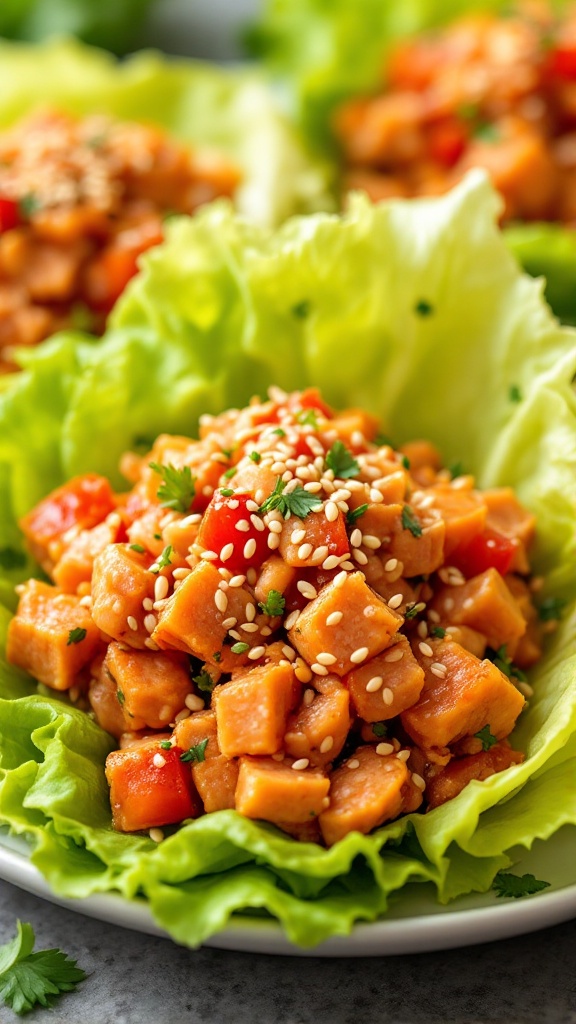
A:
109,23
414,310
228,110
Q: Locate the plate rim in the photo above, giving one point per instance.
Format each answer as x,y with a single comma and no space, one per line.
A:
422,933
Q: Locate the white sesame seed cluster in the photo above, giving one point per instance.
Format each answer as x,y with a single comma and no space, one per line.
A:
291,618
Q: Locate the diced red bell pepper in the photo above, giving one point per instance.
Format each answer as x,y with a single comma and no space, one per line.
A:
310,398
487,550
83,502
9,214
219,528
447,141
149,787
413,65
561,63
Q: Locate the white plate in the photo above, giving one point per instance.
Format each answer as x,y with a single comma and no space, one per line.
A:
415,923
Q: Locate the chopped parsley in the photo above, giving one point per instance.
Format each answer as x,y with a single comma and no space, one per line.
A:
76,636
486,738
28,979
230,473
502,661
438,631
274,603
10,558
165,745
164,560
409,522
120,698
382,440
301,309
177,490
138,547
412,610
297,502
308,418
456,469
29,204
405,461
516,886
217,656
380,729
279,432
256,457
514,393
341,461
196,753
550,609
487,132
240,647
226,492
204,681
423,308
354,513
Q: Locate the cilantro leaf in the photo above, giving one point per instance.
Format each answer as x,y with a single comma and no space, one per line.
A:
178,487
380,729
438,631
165,745
274,603
196,753
456,469
204,681
308,418
76,636
409,521
516,886
549,610
227,492
354,513
10,558
28,979
341,461
486,738
163,560
502,661
299,502
230,473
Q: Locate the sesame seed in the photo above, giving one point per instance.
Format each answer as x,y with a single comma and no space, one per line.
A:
194,703
190,520
308,698
359,557
371,542
158,761
376,496
318,669
132,623
257,652
156,835
160,588
257,523
384,748
325,802
251,576
396,654
275,526
250,548
449,604
182,573
279,756
334,618
340,578
226,552
525,689
151,644
354,763
273,541
360,654
326,659
403,755
265,631
237,581
301,764
422,630
85,601
374,684
289,652
182,715
220,600
291,619
387,696
314,487
438,669
327,744
148,603
279,468
347,565
418,781
252,506
425,649
304,551
234,634
319,553
356,538
250,612
331,511
331,562
233,504
249,627
433,616
150,622
307,590
208,555
259,497
230,622
242,525
396,601
390,565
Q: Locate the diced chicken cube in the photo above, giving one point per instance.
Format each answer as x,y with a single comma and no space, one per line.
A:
252,710
274,791
387,684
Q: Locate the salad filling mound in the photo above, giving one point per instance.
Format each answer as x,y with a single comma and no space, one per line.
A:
80,200
287,617
486,91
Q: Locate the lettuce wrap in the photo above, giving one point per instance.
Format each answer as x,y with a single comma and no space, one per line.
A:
414,310
227,110
312,48
110,23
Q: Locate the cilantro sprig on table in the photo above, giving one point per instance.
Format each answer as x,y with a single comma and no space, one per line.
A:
28,979
178,488
297,502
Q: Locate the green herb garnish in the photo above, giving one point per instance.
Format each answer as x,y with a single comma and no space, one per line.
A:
138,547
230,473
274,603
438,631
514,393
486,738
240,648
380,729
29,204
297,502
76,636
196,753
10,558
301,309
163,561
120,698
409,522
550,609
226,492
341,461
354,513
204,681
516,886
307,417
423,308
177,490
165,745
256,457
28,979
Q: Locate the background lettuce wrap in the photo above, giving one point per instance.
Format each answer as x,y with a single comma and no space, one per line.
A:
312,48
229,110
221,310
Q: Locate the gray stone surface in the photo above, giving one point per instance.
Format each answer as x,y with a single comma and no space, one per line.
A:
137,979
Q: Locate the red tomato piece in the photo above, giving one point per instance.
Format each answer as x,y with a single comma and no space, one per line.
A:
83,502
9,214
310,399
220,528
149,787
487,550
447,141
561,63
